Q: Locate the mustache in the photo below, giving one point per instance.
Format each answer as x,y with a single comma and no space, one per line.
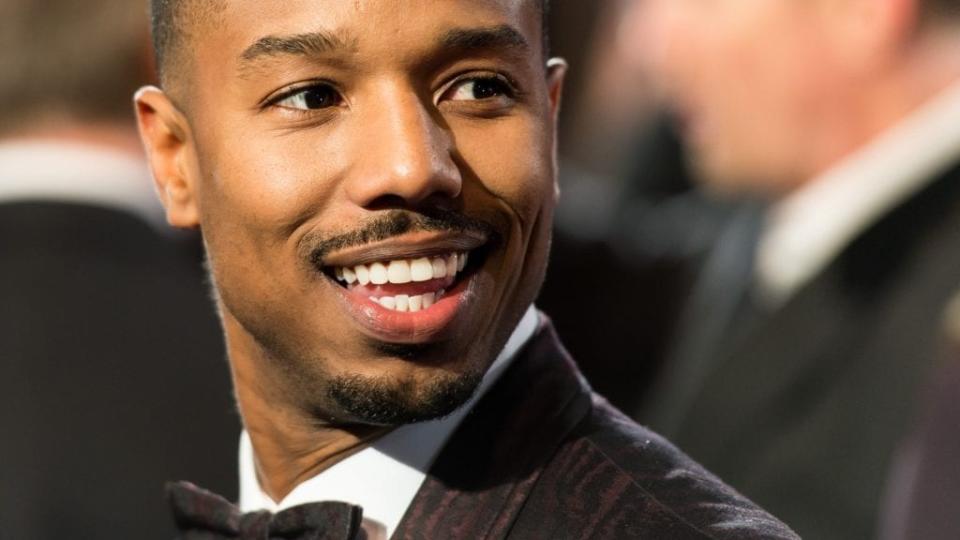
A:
392,224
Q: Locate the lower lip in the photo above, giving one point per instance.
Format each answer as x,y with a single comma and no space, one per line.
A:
418,327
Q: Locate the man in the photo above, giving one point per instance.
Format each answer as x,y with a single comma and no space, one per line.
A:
374,182
95,411
798,372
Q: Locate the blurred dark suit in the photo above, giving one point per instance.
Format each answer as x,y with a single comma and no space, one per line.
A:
112,374
923,495
801,408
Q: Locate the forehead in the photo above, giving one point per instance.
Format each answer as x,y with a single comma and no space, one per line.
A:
373,27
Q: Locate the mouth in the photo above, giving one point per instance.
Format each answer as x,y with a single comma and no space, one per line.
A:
403,285
409,291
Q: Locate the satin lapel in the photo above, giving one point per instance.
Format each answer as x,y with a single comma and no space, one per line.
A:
485,473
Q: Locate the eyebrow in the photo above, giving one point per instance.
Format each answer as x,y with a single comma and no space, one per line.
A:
498,37
503,37
307,44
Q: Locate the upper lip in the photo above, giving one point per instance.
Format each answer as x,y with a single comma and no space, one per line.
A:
407,246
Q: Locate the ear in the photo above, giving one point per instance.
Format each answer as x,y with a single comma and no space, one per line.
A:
165,133
556,73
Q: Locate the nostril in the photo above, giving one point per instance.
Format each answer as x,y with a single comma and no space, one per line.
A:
388,202
434,204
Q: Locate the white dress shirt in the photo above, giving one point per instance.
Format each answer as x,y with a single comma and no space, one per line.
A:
57,171
383,478
814,224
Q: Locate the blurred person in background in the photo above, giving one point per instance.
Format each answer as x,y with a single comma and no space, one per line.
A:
923,493
796,371
111,370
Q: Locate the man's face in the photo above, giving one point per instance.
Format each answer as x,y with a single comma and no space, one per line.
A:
752,82
344,160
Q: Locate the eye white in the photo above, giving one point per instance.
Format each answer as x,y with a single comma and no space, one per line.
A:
310,99
296,101
467,90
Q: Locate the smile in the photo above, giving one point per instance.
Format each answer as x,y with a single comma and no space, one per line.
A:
404,285
414,288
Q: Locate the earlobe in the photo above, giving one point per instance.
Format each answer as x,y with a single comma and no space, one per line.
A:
165,135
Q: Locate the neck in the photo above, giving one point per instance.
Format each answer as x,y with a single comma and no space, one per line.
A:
290,444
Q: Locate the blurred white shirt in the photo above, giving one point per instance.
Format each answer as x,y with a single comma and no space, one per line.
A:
384,478
55,171
814,224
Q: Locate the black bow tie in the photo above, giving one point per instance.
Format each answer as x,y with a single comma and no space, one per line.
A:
201,515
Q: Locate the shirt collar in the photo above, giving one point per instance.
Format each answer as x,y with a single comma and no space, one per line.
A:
384,478
47,170
813,225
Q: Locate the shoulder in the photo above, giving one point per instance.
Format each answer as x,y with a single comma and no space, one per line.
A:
631,482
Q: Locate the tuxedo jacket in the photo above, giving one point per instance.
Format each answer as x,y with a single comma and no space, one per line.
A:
802,412
541,456
113,377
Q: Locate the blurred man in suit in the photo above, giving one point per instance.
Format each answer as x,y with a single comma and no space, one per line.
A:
111,371
375,183
798,368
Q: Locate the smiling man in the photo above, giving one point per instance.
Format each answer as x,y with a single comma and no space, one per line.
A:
375,183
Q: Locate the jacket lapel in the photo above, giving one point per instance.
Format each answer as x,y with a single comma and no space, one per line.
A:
488,468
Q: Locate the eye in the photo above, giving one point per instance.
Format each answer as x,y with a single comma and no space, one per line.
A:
310,98
480,88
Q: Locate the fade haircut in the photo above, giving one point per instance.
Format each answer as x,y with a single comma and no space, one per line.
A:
173,22
67,59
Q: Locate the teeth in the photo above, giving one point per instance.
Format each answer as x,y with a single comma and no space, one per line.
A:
363,274
378,274
349,276
439,268
399,272
413,304
402,271
452,265
421,270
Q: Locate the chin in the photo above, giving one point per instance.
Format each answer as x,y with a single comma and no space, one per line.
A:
393,401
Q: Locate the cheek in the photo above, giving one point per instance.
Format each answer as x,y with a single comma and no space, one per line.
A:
513,162
255,191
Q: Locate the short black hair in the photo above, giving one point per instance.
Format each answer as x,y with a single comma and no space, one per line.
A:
171,22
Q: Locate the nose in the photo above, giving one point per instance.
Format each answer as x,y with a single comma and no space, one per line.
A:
405,154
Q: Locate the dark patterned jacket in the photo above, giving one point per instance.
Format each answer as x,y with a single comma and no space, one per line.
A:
541,456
